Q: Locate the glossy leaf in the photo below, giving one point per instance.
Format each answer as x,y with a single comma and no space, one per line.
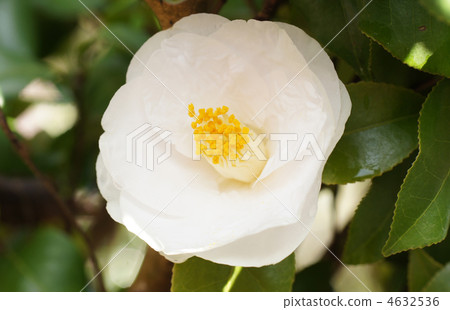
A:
380,133
421,269
44,260
369,228
387,69
438,8
422,211
323,20
440,282
410,33
198,275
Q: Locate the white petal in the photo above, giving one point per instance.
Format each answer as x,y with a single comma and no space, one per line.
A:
346,107
266,248
234,206
202,24
137,65
322,232
109,190
190,64
181,214
318,62
303,105
269,246
265,46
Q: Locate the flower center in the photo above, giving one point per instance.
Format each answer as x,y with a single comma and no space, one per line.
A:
232,148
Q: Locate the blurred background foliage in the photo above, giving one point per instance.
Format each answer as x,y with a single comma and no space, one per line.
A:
59,67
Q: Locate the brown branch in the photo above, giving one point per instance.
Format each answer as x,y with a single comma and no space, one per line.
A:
269,9
23,153
168,14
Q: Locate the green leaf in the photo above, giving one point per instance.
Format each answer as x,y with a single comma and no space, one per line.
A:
238,9
65,9
388,69
380,133
422,211
132,37
369,228
440,282
102,81
43,260
438,8
198,275
421,268
315,278
323,20
441,251
410,33
17,29
17,71
10,163
273,278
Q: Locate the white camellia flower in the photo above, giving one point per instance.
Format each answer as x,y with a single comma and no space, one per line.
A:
204,75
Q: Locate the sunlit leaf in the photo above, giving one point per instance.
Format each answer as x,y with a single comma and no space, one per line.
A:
438,8
410,33
388,69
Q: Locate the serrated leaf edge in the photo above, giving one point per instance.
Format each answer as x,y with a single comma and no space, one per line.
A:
384,252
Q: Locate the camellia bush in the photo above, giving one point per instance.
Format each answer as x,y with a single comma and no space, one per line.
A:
224,145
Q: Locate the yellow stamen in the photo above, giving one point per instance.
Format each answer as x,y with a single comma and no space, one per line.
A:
209,122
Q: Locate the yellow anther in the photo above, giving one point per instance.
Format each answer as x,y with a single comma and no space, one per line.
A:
215,159
191,110
228,130
208,124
